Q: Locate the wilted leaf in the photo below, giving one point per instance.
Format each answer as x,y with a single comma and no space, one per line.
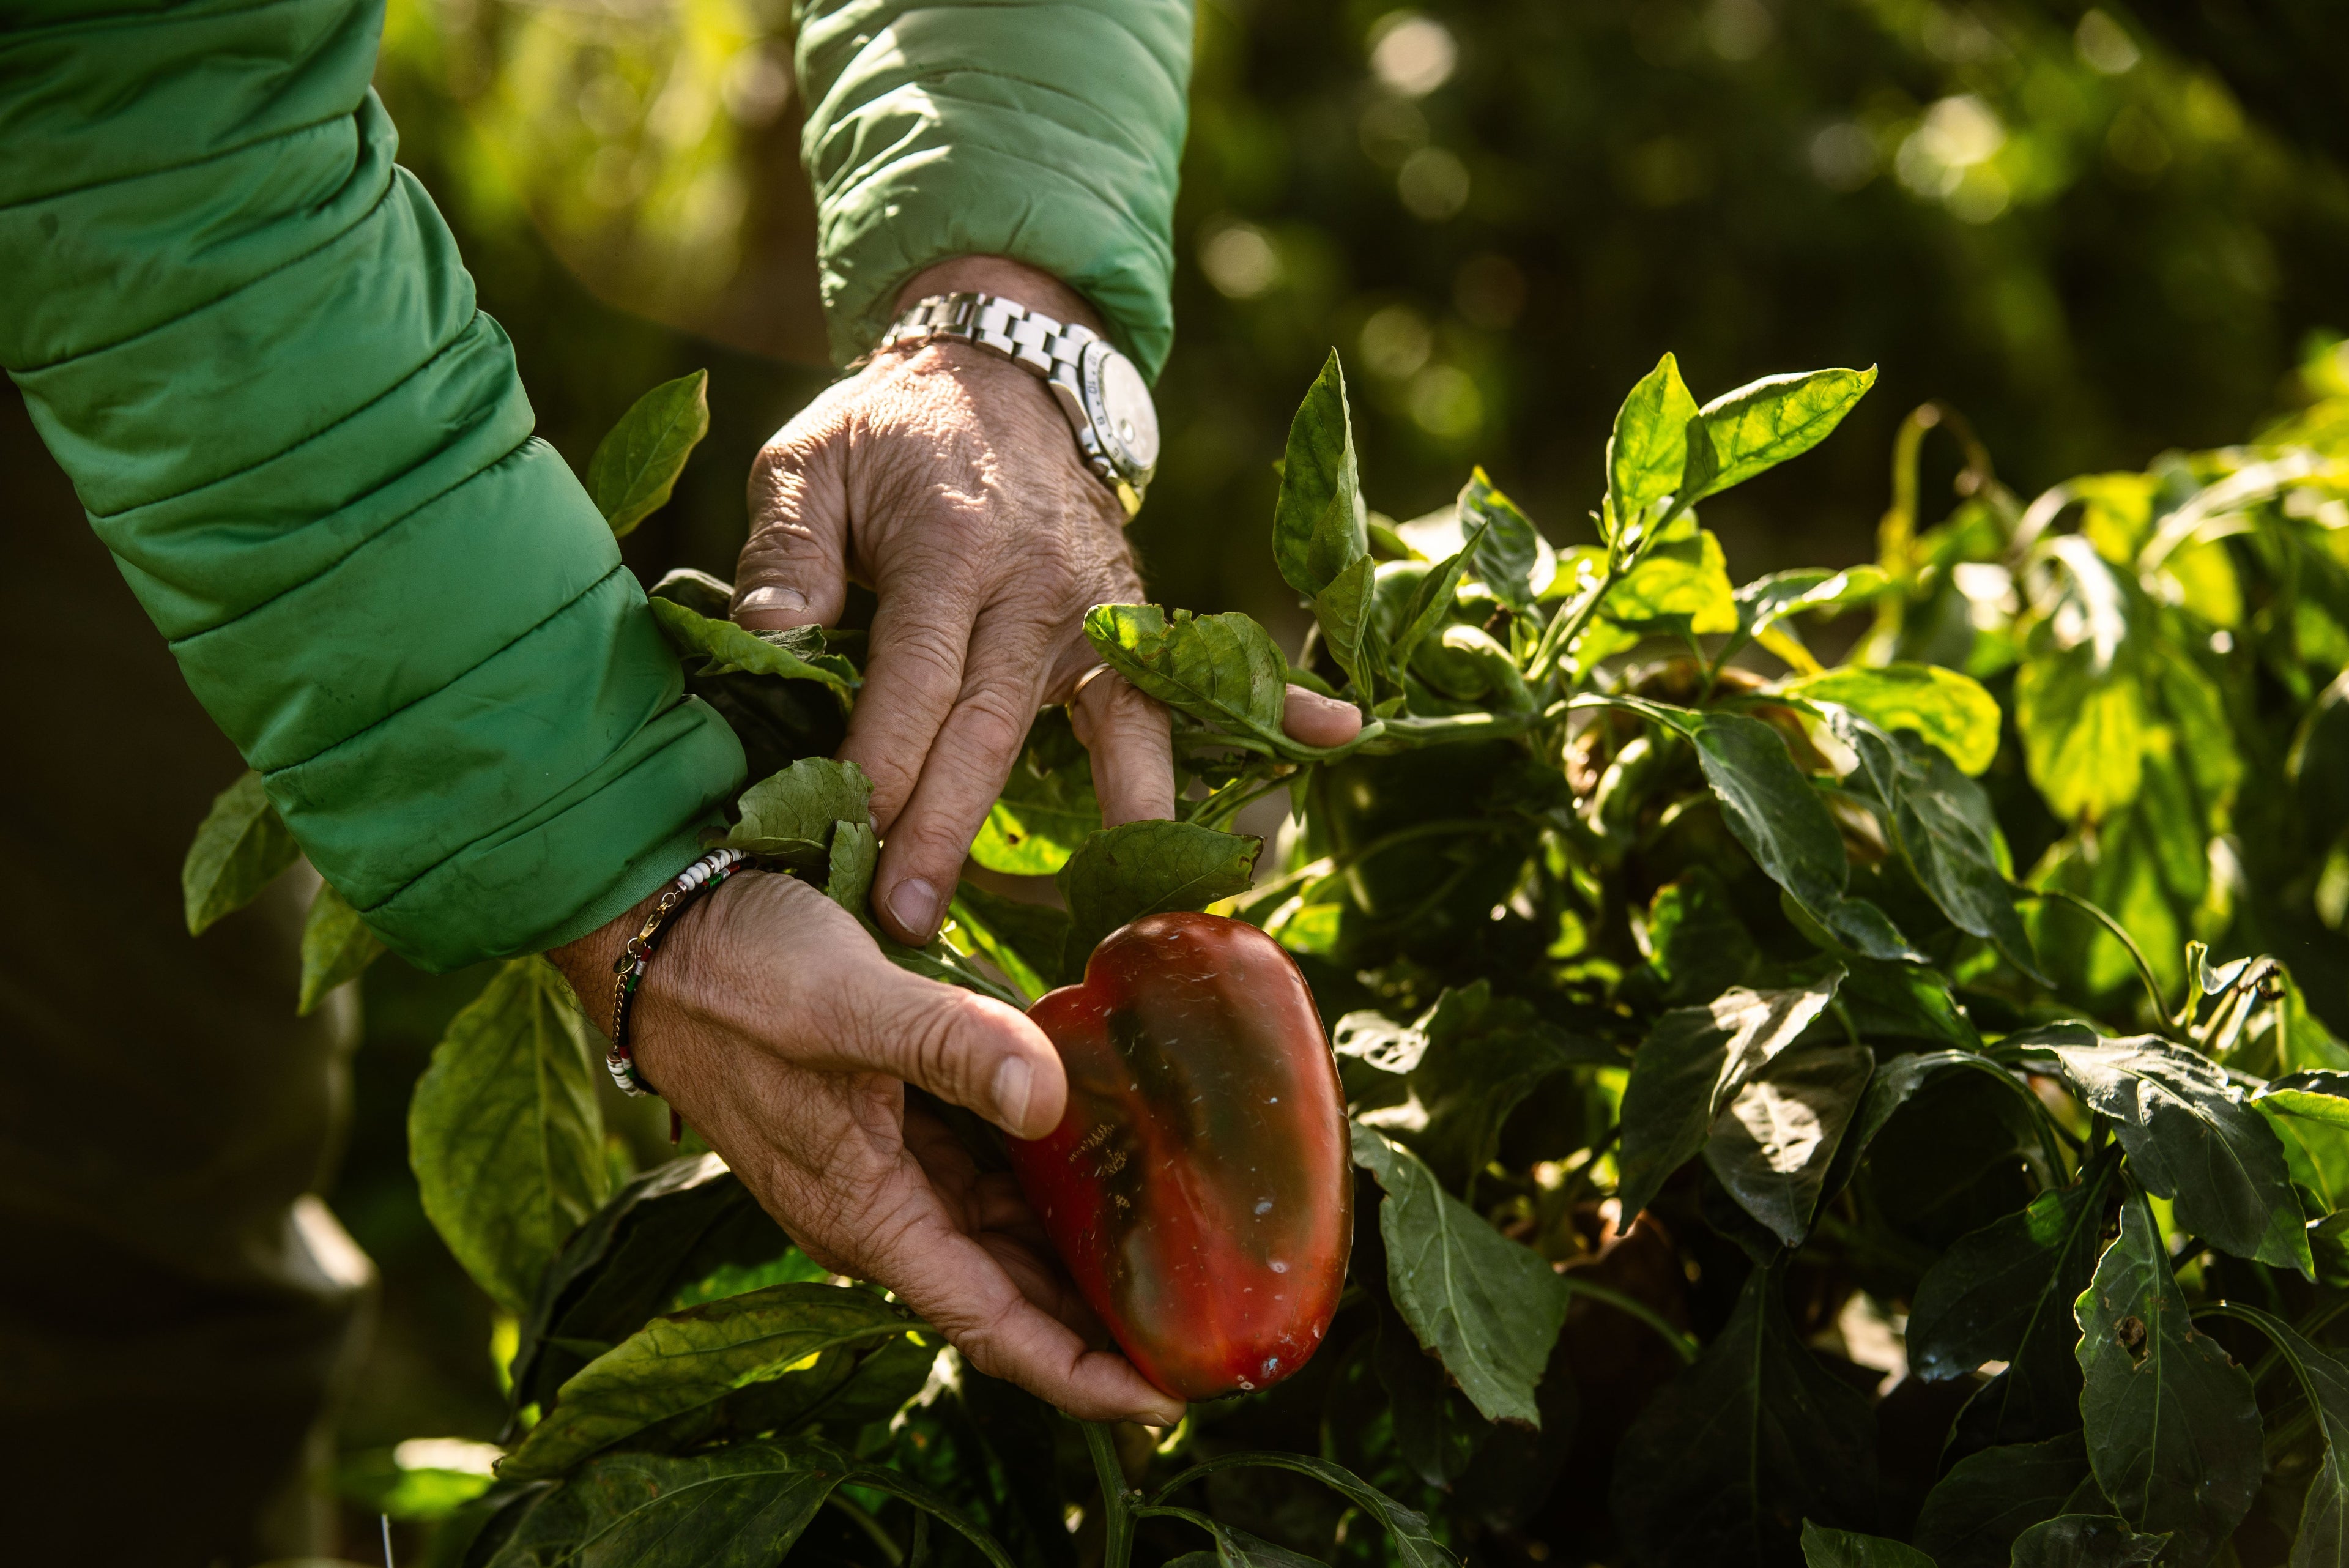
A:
1488,1306
2188,1133
637,464
2173,1426
772,1359
1950,709
504,1132
337,947
1753,1439
1319,526
240,848
1762,424
1121,873
1694,1062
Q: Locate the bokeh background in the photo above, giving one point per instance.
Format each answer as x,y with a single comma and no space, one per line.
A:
2097,232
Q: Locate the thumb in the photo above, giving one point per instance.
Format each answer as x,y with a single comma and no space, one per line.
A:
967,1050
793,570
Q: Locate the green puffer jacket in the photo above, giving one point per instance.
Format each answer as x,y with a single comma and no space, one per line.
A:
246,335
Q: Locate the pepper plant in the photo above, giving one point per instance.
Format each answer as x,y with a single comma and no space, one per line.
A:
1874,1109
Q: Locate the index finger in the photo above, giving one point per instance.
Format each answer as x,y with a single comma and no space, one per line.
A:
959,1286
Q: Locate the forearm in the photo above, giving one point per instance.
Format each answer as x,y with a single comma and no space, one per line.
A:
1047,132
248,338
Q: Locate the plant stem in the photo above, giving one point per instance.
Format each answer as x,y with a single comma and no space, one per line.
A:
1683,1346
1117,1503
2144,969
871,1526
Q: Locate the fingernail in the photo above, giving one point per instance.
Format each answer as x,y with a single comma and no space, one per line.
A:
1013,1081
789,600
914,905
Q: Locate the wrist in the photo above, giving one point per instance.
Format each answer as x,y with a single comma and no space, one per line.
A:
1014,280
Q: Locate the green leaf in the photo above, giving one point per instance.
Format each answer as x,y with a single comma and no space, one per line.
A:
337,947
1765,601
1775,1141
1344,610
1947,832
2005,1292
1432,600
636,465
1415,1545
1764,423
1849,1549
1319,526
848,874
2188,1133
1972,1517
737,1507
1950,709
1489,1307
2319,1096
1481,1057
1437,1430
1221,669
1121,873
1501,541
1047,807
240,848
1025,940
2085,1541
1696,943
1900,1078
1680,585
1692,1065
774,1358
1648,448
1772,809
2173,1426
504,1132
788,655
1754,1437
2323,1536
789,816
615,1270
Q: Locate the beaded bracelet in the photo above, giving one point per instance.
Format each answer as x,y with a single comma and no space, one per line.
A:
628,969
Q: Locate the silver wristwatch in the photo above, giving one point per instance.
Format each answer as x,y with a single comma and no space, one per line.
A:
1104,396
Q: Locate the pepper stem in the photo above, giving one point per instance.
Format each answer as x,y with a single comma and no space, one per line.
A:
1117,1506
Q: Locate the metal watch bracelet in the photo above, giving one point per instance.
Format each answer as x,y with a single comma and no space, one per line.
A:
1053,351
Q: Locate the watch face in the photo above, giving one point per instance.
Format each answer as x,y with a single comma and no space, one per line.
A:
1118,398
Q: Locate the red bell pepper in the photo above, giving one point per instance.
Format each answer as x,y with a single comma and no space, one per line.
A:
1198,1187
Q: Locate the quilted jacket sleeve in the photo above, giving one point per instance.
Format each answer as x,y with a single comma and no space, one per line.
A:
247,337
1047,130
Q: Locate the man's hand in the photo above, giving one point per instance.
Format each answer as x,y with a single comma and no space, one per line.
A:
946,478
777,1029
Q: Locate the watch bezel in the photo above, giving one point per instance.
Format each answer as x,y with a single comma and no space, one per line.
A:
1092,367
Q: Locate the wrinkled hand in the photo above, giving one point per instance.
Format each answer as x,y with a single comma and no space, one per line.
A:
775,1027
947,480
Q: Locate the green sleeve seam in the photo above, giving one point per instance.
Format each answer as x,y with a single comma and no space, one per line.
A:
524,635
382,200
